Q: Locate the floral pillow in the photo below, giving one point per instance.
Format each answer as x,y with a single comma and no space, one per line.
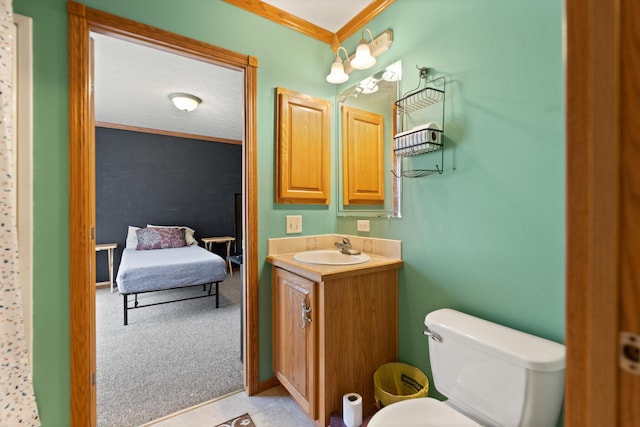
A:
160,238
188,232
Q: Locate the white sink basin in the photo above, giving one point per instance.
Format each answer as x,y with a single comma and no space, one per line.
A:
330,257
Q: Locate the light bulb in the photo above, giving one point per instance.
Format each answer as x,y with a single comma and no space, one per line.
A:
337,74
363,58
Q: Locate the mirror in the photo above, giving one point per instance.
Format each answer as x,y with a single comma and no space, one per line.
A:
371,100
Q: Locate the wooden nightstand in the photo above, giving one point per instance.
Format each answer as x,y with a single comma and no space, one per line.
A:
109,247
210,241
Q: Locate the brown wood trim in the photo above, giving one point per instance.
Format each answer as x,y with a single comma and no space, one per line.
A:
593,142
91,196
629,384
252,373
374,9
279,16
81,21
117,26
167,133
82,355
267,384
577,201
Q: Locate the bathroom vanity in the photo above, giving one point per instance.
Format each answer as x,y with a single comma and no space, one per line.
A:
333,326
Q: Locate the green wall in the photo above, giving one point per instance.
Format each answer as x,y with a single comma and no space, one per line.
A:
486,237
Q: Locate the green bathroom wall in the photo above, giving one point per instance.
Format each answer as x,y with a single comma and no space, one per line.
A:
285,58
486,237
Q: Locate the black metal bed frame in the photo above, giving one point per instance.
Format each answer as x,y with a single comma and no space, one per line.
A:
137,305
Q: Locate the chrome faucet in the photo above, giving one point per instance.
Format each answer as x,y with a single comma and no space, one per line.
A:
345,247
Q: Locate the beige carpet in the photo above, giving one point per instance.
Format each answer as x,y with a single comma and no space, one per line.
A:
170,356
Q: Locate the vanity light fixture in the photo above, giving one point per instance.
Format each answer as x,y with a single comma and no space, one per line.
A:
184,101
377,46
363,58
337,74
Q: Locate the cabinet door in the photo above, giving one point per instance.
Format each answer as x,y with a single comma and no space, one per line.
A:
294,337
362,157
303,160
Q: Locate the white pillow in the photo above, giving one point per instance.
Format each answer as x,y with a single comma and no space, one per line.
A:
132,237
188,232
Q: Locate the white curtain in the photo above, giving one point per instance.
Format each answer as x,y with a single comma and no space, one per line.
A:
17,399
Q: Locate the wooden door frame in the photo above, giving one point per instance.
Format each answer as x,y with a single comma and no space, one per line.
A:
82,21
592,203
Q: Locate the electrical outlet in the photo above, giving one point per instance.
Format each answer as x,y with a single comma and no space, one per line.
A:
294,224
363,225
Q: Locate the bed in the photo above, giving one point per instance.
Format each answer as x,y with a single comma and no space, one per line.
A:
166,265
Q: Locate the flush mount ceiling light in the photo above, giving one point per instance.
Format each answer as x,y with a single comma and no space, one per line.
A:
184,101
337,74
357,61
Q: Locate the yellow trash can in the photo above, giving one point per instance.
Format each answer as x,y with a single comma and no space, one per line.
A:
396,381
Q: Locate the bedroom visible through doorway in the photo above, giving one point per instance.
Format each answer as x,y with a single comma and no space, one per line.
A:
146,153
82,21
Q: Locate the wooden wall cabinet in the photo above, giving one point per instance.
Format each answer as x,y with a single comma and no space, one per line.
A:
362,157
353,330
303,148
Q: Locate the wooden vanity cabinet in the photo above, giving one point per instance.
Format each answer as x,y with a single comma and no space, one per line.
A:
353,330
294,336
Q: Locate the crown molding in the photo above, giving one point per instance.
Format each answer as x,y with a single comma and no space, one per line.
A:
282,17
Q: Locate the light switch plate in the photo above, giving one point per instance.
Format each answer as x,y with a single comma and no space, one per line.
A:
294,224
363,225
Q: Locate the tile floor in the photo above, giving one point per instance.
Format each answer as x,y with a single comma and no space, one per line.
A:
272,408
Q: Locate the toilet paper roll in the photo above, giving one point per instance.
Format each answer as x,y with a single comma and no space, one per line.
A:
352,409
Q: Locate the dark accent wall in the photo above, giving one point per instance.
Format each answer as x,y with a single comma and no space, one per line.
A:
163,180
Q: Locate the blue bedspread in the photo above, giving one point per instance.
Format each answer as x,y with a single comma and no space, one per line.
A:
158,269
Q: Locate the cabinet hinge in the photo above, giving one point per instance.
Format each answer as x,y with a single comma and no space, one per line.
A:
630,352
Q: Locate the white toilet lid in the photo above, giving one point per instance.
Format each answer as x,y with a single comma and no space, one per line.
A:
420,412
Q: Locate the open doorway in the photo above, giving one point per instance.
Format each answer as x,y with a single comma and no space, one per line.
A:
83,21
156,164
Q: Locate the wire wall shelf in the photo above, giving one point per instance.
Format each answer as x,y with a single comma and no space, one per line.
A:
426,137
416,142
420,99
417,173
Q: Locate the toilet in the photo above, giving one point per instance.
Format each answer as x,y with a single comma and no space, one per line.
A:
492,376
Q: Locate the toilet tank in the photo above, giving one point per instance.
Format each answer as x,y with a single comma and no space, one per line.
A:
494,374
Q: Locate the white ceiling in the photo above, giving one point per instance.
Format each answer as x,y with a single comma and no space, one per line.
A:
132,82
328,14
